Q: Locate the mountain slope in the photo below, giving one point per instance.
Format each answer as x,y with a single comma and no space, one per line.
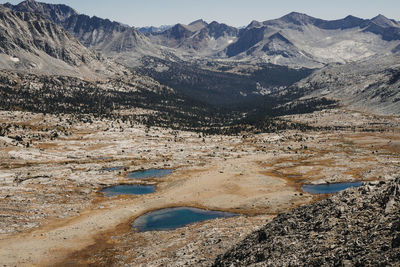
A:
315,42
358,227
107,36
372,85
104,35
30,42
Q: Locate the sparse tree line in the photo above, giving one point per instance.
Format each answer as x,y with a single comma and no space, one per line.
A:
60,95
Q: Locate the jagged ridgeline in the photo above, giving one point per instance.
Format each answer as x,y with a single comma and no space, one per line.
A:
295,40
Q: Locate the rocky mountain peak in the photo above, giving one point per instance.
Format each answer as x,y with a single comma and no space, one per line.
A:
199,21
216,30
179,31
54,12
352,18
383,21
8,5
197,25
254,24
297,18
29,4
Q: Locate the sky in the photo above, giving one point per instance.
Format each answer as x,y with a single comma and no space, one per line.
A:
236,13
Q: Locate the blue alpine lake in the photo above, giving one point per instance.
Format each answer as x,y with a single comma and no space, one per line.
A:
151,173
128,190
329,188
172,218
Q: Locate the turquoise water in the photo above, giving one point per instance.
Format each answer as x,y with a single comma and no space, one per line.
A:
329,188
172,218
151,173
128,190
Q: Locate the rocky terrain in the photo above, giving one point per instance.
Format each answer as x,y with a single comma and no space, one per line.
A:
53,166
372,85
32,43
233,113
359,227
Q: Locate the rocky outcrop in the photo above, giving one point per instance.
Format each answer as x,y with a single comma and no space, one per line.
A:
31,42
358,227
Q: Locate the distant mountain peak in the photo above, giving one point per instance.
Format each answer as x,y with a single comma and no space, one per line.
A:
383,21
296,14
56,12
351,17
380,16
31,3
255,24
297,18
199,21
180,26
7,5
197,25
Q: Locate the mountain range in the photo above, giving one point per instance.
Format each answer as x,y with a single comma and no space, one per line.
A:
295,40
108,37
298,39
199,36
220,64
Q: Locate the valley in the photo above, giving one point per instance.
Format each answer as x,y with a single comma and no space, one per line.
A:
257,127
52,204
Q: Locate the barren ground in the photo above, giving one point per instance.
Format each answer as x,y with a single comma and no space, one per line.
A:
51,211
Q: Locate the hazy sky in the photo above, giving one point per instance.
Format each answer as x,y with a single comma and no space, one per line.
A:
232,12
